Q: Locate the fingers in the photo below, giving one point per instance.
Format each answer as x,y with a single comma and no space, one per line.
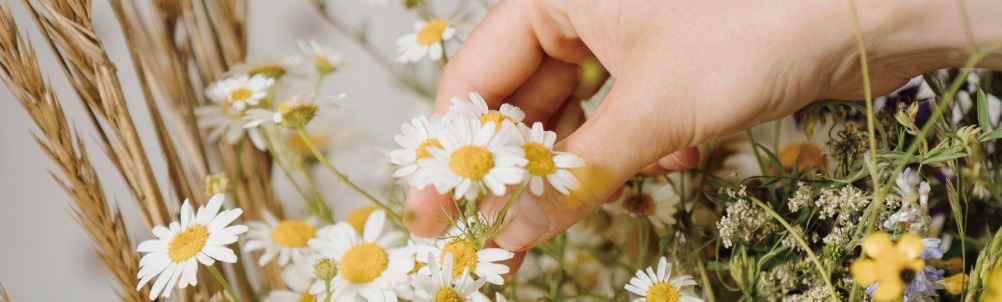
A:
424,209
546,90
683,159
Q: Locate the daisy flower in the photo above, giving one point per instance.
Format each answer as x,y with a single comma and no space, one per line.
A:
240,91
418,135
439,285
198,238
654,200
429,39
472,158
269,66
373,266
477,109
546,163
660,286
298,277
466,257
285,239
294,112
223,119
892,265
324,58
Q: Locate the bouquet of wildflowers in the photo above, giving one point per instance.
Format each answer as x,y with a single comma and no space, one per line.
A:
886,199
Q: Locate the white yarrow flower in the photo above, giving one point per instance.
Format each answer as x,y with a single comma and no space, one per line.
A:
544,163
200,237
285,239
428,41
660,286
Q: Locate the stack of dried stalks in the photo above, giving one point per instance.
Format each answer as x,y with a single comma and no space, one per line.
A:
177,48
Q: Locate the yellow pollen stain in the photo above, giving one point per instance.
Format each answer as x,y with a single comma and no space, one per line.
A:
240,94
497,118
641,204
432,32
187,243
363,263
464,255
471,162
293,233
422,150
447,294
357,218
662,292
306,296
808,154
540,159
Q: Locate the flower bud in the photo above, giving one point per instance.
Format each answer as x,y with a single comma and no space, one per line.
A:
325,269
216,184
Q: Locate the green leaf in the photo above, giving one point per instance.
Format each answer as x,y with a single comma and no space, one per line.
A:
995,134
717,266
983,110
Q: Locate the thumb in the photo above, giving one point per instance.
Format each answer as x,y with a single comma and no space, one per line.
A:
628,132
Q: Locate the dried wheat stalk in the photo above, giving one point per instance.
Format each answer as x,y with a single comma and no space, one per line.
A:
3,292
103,222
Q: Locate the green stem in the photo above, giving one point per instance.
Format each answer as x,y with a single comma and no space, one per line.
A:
758,157
803,244
504,211
320,156
707,289
316,86
222,281
327,285
445,57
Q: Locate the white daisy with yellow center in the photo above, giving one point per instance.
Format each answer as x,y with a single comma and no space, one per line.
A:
476,108
285,239
655,200
299,278
325,59
544,163
473,158
428,40
442,286
419,134
270,66
293,112
240,91
482,263
197,238
660,286
230,99
373,266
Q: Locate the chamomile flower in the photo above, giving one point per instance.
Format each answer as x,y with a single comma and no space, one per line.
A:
546,163
477,109
466,256
473,158
294,112
660,286
428,41
240,91
230,99
298,277
325,59
200,237
439,285
654,200
373,266
285,239
269,66
419,134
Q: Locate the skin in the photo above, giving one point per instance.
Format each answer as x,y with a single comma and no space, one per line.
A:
686,72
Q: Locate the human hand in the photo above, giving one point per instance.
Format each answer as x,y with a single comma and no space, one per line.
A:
686,72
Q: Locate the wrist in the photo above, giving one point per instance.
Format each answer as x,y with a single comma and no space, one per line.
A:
933,34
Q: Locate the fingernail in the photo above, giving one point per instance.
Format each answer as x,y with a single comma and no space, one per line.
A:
672,163
529,225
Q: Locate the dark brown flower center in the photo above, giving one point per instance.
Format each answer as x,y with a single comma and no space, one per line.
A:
907,275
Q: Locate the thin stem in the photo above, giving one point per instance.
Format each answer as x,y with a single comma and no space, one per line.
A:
327,285
320,156
504,211
316,86
758,157
803,244
707,289
222,281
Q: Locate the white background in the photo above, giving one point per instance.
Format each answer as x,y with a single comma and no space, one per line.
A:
45,256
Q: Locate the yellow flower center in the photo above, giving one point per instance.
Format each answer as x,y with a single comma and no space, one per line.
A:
447,294
363,263
662,292
432,32
357,218
293,233
471,162
495,117
285,109
464,255
306,296
422,150
187,243
240,95
641,204
324,66
806,153
540,159
417,266
271,71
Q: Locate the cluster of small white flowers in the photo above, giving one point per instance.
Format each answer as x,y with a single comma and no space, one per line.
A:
742,218
848,200
841,234
777,282
815,294
802,198
791,242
